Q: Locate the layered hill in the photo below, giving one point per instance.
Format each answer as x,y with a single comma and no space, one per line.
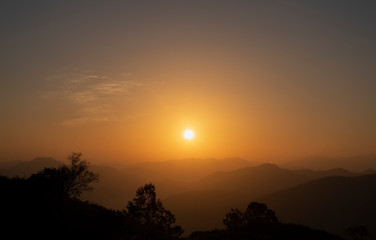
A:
205,207
201,191
332,203
355,163
26,168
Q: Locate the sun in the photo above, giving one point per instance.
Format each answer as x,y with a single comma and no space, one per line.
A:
188,134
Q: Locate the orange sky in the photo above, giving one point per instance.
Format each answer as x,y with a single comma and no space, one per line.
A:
121,81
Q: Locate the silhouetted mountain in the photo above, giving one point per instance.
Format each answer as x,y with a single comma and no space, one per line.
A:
333,172
258,180
265,178
118,185
192,169
356,163
332,203
214,195
170,177
25,169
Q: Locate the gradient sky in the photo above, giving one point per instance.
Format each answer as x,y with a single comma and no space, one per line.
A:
121,80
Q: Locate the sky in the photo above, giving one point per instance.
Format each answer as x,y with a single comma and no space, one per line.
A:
121,80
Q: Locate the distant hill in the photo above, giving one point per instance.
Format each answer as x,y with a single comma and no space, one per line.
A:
25,169
192,168
212,197
332,203
264,178
356,163
117,186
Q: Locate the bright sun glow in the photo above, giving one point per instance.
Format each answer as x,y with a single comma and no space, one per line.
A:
189,134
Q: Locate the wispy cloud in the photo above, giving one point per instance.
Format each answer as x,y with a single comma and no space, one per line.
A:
81,120
91,94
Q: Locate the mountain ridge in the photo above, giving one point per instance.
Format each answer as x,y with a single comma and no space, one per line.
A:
343,202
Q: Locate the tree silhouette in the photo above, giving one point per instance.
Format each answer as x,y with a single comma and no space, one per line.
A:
79,176
147,217
68,181
234,219
255,214
259,213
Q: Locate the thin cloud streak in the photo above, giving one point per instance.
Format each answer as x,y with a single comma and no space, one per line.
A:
90,94
82,120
